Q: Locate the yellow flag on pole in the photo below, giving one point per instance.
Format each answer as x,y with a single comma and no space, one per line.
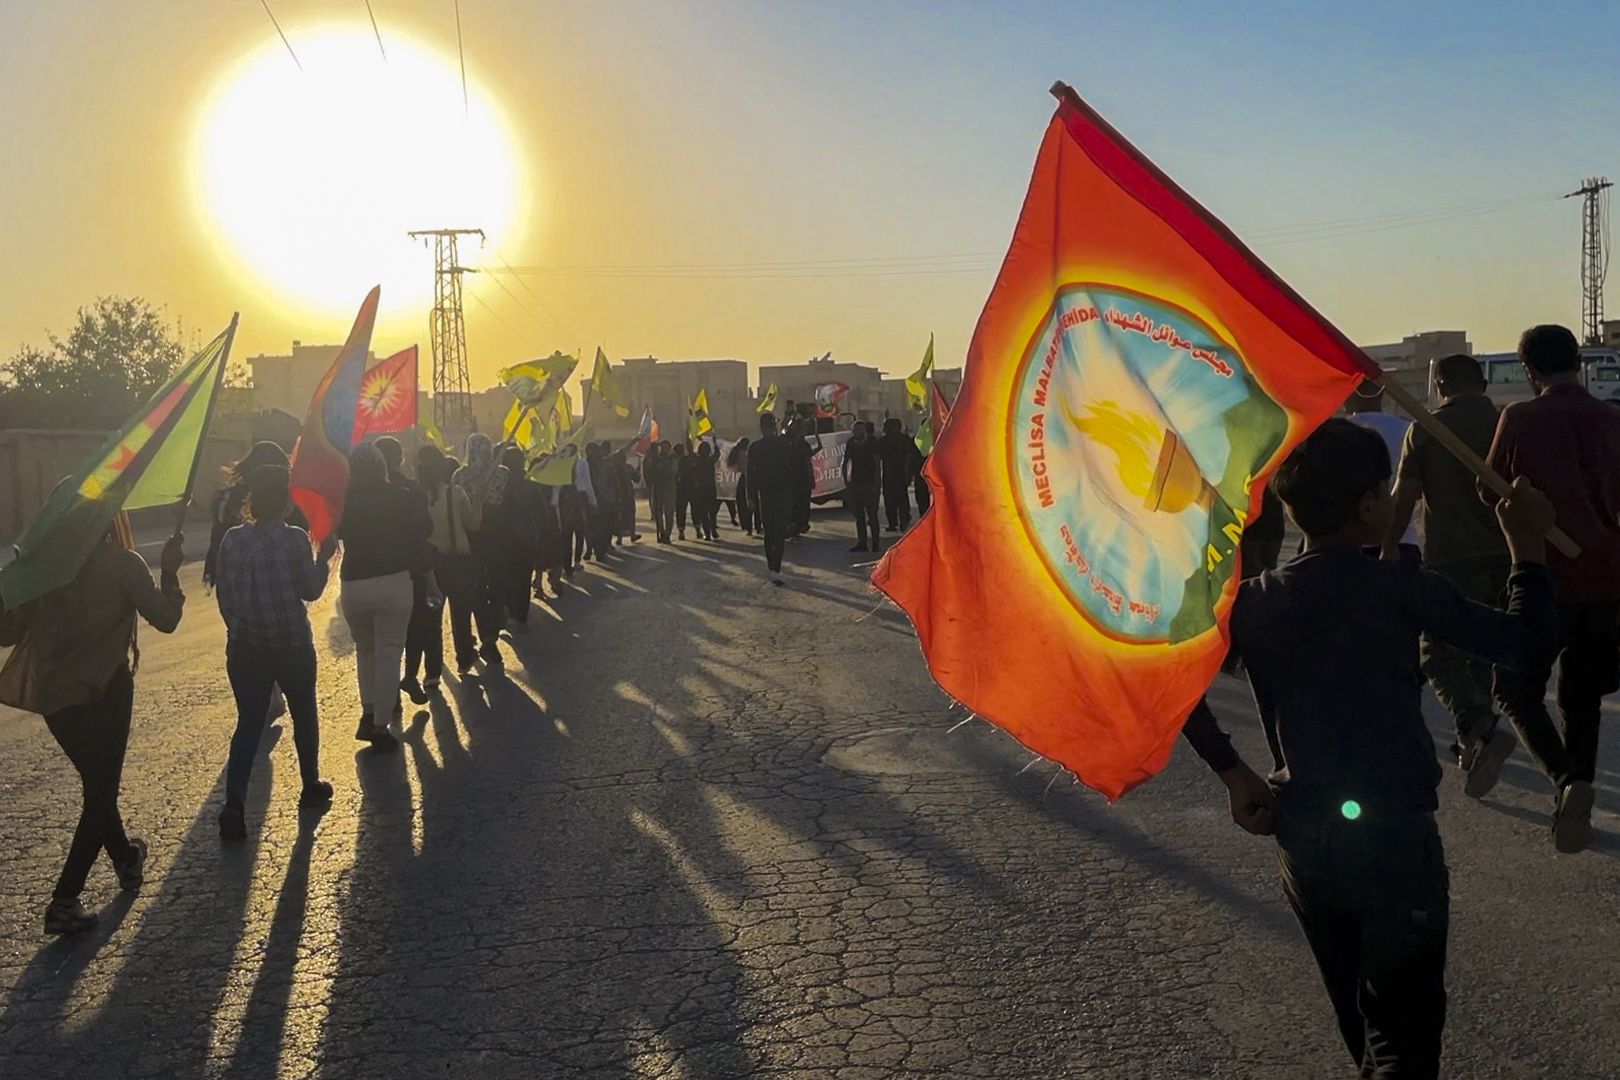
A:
917,381
768,402
697,423
605,385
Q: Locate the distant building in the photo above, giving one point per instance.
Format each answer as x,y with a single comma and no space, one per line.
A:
797,383
288,382
1407,361
1611,333
669,387
896,403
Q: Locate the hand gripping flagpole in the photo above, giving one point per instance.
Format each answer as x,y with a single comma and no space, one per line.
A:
1464,453
208,423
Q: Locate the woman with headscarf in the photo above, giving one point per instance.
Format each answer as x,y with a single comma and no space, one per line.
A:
74,663
384,531
484,480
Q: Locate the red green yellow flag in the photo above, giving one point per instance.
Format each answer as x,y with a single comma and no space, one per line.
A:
1135,378
150,462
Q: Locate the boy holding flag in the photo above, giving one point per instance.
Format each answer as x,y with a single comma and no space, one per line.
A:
1330,644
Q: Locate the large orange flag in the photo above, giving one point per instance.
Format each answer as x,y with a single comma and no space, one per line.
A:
1136,376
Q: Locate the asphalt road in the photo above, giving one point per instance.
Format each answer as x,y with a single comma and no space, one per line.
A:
706,827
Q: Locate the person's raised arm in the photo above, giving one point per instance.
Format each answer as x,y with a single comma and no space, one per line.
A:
159,605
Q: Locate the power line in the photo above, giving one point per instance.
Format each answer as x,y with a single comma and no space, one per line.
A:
376,31
461,52
266,5
549,316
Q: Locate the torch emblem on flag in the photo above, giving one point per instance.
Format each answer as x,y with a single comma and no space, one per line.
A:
1138,434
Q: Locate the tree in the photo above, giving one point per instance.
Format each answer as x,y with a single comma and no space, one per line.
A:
118,353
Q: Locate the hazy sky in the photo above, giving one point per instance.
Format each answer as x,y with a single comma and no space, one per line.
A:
822,154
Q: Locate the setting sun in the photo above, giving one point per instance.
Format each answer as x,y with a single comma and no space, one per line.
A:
309,174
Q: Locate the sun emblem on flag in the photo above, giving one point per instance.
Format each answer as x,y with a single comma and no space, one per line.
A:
381,393
1138,431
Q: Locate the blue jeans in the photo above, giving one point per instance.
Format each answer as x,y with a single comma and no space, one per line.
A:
253,671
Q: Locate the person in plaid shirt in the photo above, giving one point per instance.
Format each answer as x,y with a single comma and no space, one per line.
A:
265,575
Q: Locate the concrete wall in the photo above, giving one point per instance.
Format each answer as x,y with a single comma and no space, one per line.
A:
33,462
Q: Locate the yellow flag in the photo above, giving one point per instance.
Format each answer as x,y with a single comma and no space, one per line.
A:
430,431
514,418
563,412
605,385
697,423
768,402
917,381
534,380
557,467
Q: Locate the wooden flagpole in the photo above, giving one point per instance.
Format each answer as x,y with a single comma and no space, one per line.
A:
1463,452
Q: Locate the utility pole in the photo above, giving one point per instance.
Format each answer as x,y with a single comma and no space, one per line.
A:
452,390
1594,261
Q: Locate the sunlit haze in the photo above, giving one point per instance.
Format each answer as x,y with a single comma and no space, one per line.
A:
303,180
771,181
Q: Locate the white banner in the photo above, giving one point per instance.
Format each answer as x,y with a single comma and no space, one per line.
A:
828,464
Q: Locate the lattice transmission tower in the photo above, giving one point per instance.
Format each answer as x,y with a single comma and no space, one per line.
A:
1594,258
452,389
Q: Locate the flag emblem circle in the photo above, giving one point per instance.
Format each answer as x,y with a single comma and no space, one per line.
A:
1137,431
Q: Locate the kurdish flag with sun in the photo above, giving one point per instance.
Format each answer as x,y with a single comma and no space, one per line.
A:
150,462
387,396
1135,378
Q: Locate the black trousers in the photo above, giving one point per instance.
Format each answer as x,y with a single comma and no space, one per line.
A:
863,503
513,566
1588,668
706,515
801,506
663,510
897,503
1374,900
775,521
424,634
94,736
745,510
924,496
253,670
466,592
683,505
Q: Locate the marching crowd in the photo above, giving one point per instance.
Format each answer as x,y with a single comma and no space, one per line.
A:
1337,642
478,537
